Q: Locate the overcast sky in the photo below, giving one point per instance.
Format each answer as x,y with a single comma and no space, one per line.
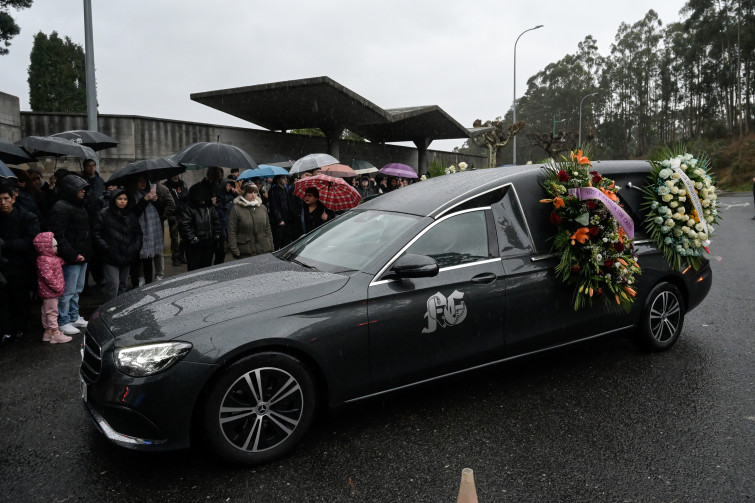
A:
150,55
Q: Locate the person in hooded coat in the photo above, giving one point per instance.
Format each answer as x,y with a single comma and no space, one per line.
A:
249,230
50,286
69,222
199,227
118,239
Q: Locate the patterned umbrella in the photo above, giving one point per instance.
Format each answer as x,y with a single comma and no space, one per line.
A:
13,154
312,161
92,139
215,154
335,194
338,170
398,169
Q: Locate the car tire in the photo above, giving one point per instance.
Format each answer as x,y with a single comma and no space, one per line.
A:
259,409
662,318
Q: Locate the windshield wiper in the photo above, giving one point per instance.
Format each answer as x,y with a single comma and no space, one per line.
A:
301,264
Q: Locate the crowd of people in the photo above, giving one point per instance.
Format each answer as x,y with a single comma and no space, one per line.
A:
56,234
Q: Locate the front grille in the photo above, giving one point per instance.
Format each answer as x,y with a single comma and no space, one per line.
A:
91,361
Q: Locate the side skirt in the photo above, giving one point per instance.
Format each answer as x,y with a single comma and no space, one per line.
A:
496,362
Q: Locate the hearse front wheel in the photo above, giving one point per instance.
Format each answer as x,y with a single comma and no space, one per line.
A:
260,408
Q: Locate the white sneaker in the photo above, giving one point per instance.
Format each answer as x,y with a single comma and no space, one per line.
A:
69,329
141,280
80,323
158,278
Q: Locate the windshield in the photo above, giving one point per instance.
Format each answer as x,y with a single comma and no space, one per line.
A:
349,242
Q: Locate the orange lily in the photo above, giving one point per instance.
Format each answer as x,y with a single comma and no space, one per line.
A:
621,261
622,233
558,202
618,300
630,291
581,235
610,195
580,158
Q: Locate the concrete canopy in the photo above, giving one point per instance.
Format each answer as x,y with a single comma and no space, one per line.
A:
321,102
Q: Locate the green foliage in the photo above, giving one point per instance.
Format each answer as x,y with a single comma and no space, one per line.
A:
435,168
57,75
8,26
308,132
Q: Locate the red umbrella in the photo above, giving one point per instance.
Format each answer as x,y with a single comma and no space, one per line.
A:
335,194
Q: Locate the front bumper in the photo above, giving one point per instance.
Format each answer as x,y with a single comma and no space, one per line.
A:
145,413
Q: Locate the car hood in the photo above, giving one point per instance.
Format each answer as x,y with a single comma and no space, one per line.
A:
182,304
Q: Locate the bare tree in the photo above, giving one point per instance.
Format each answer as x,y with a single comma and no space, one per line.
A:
497,138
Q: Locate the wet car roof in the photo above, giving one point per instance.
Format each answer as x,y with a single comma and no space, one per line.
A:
437,195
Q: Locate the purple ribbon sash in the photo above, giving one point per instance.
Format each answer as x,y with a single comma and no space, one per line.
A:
621,216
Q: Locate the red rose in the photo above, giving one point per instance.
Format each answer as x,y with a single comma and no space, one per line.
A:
575,269
608,263
563,176
594,230
619,247
596,178
555,218
591,205
599,291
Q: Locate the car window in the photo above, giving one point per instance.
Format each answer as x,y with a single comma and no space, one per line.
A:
513,236
459,239
351,241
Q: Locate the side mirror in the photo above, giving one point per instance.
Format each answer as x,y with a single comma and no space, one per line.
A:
414,266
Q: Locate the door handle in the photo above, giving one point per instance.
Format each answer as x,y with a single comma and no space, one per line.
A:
484,278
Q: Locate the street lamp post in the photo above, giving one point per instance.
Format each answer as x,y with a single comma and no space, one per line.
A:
517,40
579,144
554,127
89,67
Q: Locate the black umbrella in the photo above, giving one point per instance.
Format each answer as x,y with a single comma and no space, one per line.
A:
13,154
215,154
54,146
155,169
92,139
5,171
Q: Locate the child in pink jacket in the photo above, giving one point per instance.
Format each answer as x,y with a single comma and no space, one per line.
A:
51,285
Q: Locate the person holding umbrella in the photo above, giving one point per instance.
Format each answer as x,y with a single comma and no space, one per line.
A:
313,213
153,243
284,209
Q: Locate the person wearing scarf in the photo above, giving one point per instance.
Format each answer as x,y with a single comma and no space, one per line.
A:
249,231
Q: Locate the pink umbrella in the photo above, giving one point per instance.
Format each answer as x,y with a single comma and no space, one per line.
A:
398,169
338,170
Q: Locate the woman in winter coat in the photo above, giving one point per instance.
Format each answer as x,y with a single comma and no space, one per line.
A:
50,285
249,231
118,238
153,240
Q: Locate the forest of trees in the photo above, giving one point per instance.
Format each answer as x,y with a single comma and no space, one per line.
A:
660,84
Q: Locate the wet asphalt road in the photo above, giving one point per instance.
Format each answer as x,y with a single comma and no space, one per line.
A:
601,421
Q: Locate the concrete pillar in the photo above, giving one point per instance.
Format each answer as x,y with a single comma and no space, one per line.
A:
422,163
332,135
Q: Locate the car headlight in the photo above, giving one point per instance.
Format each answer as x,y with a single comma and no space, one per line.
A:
140,361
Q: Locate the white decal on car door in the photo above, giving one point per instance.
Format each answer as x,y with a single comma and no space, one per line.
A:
444,311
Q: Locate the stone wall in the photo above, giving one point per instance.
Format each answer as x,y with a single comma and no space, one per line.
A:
10,118
146,138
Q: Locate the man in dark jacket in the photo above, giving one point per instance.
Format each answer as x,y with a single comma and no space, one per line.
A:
199,227
17,231
285,212
93,202
69,221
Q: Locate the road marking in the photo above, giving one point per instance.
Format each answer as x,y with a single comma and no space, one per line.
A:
726,206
